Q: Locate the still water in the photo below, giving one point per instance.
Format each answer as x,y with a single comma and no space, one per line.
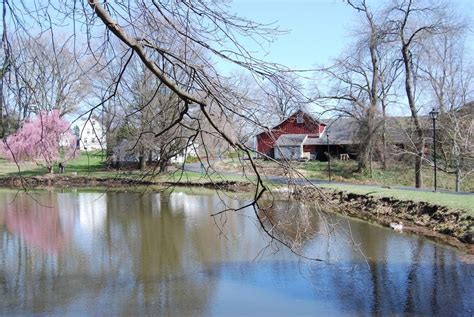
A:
90,252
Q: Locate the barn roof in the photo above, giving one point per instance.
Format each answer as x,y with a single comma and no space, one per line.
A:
291,139
342,131
400,130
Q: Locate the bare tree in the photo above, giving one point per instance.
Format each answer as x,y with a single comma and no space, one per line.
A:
413,24
362,79
147,109
252,101
390,70
456,143
450,78
46,75
284,100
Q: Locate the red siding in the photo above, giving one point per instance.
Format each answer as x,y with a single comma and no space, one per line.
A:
309,148
321,128
266,140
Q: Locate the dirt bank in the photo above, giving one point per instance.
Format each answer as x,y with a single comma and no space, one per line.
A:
79,181
67,181
449,225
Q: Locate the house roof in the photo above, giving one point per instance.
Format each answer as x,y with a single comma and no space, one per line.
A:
341,131
399,130
291,139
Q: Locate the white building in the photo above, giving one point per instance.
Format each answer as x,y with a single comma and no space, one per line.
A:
90,134
190,150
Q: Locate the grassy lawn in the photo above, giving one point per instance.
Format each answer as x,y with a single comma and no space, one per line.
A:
465,202
186,176
93,164
26,169
396,174
85,163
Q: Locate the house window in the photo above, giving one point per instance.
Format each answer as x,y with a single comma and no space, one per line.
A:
88,131
299,118
93,140
85,140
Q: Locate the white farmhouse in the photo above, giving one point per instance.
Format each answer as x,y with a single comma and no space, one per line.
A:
90,134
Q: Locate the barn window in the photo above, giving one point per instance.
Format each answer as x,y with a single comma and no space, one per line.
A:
299,118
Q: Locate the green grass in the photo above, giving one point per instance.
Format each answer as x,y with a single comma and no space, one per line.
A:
25,169
464,202
339,169
186,176
395,174
85,163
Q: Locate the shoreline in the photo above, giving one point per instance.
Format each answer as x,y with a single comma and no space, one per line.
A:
38,182
451,226
440,223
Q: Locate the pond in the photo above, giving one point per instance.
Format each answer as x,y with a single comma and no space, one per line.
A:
93,252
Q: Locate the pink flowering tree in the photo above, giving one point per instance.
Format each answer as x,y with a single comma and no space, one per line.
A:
42,140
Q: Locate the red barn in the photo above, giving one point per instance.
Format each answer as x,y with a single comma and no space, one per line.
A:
296,137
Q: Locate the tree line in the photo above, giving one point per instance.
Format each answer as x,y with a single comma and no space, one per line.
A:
411,57
149,72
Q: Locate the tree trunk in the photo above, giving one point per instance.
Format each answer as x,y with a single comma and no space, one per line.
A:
4,128
367,133
414,114
150,157
383,155
142,160
162,166
418,171
458,180
2,125
370,162
363,159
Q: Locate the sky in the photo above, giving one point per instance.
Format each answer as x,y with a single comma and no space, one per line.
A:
319,30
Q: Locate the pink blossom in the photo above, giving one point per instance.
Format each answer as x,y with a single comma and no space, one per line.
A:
40,140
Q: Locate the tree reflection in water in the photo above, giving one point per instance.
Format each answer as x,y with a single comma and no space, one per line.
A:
123,253
35,220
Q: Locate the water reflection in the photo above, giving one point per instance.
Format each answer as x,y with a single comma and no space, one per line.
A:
36,221
120,253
